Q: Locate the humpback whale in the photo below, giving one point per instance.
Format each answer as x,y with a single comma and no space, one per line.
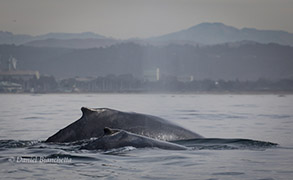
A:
94,120
116,138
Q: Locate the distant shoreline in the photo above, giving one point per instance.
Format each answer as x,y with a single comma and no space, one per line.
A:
279,93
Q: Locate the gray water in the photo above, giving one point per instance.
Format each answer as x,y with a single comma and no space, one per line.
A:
27,120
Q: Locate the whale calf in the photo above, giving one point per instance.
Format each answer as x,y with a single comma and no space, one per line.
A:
116,138
94,120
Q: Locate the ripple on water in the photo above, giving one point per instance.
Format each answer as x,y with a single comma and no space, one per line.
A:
228,173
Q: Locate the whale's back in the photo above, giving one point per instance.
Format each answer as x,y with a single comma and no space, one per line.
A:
93,122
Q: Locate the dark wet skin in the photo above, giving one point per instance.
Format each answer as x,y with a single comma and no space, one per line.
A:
93,122
115,138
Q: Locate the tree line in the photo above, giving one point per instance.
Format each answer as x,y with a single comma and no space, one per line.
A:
129,84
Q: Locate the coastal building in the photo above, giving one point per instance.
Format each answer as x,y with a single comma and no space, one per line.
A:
9,87
19,75
152,75
14,80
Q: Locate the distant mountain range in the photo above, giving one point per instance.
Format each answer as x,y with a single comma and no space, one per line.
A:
201,34
74,43
217,33
10,38
205,51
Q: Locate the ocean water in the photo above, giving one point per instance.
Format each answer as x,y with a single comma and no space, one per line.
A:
247,137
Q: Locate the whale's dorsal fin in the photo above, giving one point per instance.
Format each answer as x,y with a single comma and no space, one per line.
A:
109,131
86,110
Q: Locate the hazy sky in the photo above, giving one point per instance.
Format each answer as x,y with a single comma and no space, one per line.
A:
140,18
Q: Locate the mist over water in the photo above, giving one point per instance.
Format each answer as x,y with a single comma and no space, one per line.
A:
240,129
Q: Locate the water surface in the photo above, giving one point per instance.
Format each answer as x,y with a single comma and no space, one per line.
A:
238,128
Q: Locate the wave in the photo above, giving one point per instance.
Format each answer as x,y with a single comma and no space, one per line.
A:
226,144
9,143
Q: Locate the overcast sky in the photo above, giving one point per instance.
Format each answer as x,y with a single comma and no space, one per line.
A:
140,18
